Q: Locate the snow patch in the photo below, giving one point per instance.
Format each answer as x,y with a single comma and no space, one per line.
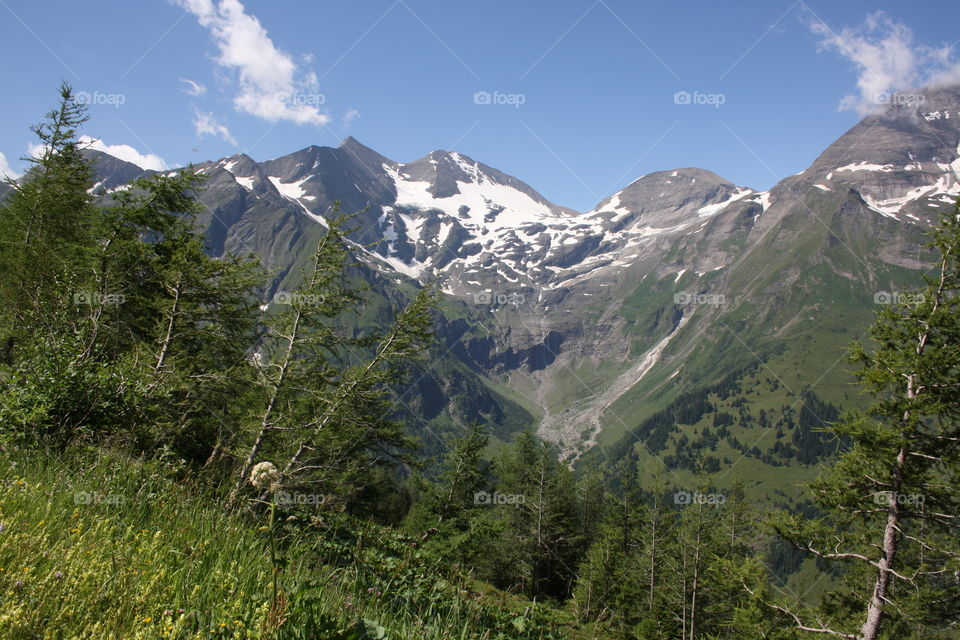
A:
712,209
865,166
294,191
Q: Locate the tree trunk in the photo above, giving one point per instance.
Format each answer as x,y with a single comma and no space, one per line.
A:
168,338
696,574
653,553
266,419
871,626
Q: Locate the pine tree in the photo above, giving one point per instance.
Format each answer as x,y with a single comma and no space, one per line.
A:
187,318
451,513
327,419
891,503
124,328
611,582
542,542
45,225
462,477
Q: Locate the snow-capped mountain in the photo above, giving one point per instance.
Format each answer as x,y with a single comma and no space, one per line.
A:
903,162
449,217
593,320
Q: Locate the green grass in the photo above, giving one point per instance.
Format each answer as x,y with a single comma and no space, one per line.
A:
103,547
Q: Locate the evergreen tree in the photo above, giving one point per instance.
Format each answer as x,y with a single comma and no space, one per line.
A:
451,514
891,505
45,225
328,420
541,544
124,327
187,319
462,477
611,585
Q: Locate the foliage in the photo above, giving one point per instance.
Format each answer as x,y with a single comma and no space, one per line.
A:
891,508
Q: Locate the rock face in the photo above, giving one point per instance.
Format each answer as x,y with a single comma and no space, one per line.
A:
902,162
593,320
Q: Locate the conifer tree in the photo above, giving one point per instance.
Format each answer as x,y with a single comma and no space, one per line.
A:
542,539
329,420
891,503
45,226
451,513
118,323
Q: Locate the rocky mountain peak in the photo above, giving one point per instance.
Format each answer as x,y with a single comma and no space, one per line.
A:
904,161
668,199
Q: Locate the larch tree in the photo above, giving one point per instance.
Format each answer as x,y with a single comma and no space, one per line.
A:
891,504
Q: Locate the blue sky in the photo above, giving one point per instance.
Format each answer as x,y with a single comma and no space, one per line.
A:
581,93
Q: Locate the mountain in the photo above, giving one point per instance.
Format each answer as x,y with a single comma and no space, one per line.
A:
681,307
808,265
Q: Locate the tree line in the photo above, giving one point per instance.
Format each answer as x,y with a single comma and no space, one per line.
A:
118,329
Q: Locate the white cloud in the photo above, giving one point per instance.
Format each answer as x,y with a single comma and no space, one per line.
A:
206,124
35,149
270,84
6,171
193,88
886,60
351,115
121,151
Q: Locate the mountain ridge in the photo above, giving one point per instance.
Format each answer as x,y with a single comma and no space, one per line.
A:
593,321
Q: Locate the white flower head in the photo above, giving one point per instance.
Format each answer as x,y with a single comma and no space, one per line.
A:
264,475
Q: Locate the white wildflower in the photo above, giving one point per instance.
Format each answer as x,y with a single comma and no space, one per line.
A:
264,475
